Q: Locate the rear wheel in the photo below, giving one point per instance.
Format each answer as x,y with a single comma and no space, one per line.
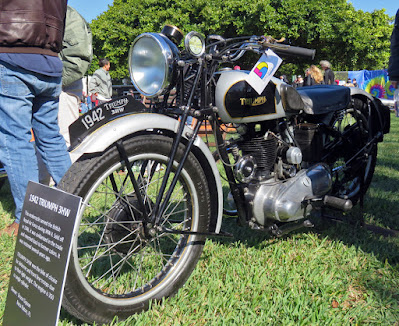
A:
119,261
351,155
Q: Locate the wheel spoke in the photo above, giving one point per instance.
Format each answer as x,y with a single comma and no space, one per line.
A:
348,154
141,252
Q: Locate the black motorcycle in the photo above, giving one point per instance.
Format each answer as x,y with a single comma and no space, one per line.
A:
151,187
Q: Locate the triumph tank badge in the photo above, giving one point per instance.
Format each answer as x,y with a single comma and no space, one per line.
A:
253,101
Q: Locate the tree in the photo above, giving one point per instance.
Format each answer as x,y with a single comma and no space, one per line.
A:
350,39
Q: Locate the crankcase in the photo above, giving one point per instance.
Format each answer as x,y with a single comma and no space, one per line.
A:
285,201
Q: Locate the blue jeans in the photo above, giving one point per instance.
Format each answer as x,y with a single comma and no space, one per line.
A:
29,101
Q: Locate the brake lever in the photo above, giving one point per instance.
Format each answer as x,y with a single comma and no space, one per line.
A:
220,40
267,39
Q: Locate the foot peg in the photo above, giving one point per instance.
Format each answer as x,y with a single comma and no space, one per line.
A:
338,203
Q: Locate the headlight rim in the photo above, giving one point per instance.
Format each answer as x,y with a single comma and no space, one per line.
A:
170,54
187,39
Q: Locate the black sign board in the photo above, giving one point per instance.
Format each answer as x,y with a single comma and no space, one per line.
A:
41,257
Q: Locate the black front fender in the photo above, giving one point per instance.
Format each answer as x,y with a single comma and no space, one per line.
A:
103,114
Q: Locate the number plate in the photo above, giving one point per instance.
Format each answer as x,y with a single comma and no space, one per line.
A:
101,115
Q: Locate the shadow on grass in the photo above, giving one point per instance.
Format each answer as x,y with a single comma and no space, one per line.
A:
65,317
378,280
350,232
379,210
6,199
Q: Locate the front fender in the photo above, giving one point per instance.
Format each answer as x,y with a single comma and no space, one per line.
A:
104,136
109,133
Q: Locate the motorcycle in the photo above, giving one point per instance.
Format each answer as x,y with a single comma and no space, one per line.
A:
151,186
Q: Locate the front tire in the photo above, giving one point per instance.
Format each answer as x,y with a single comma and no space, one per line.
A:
118,262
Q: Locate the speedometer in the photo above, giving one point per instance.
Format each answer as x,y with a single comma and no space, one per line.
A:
195,44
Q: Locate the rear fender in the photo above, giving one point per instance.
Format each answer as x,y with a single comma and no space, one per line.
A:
380,116
112,131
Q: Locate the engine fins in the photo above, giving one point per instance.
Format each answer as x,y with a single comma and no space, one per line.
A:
263,150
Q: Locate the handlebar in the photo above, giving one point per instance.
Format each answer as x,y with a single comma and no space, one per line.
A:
259,42
283,49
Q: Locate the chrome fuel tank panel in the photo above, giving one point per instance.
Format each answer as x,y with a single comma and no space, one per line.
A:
238,102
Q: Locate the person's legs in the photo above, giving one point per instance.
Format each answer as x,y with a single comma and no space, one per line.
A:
49,142
17,153
29,101
67,114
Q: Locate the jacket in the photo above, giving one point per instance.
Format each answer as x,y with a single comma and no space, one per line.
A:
310,81
34,26
393,68
329,77
101,83
77,49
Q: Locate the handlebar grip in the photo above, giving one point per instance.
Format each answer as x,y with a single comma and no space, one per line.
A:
295,50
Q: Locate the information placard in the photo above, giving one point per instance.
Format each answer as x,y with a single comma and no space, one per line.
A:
41,256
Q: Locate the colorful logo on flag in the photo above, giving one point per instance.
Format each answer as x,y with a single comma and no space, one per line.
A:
261,69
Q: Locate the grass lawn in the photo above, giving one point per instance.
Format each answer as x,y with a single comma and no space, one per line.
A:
333,274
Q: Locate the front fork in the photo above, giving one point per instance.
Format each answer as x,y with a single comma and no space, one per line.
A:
236,191
164,194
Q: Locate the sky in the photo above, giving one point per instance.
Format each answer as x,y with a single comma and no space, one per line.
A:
90,9
391,6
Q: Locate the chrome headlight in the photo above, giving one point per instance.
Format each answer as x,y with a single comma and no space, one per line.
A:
152,60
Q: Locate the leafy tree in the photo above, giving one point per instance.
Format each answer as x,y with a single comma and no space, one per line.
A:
349,39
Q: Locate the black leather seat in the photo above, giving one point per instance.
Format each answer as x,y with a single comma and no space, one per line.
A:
321,99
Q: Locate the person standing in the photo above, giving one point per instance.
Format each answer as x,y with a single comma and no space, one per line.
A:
328,73
30,85
100,83
76,56
298,82
349,83
393,68
313,76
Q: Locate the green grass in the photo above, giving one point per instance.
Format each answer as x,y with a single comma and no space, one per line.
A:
333,274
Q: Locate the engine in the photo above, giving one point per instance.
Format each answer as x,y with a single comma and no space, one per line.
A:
286,201
279,178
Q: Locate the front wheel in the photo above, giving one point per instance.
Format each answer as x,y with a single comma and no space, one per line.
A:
119,261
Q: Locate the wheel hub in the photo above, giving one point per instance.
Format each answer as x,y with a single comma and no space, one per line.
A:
125,229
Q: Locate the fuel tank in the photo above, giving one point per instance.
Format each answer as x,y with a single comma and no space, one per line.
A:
238,102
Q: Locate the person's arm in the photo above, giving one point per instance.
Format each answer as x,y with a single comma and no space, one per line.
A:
331,78
93,84
393,68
